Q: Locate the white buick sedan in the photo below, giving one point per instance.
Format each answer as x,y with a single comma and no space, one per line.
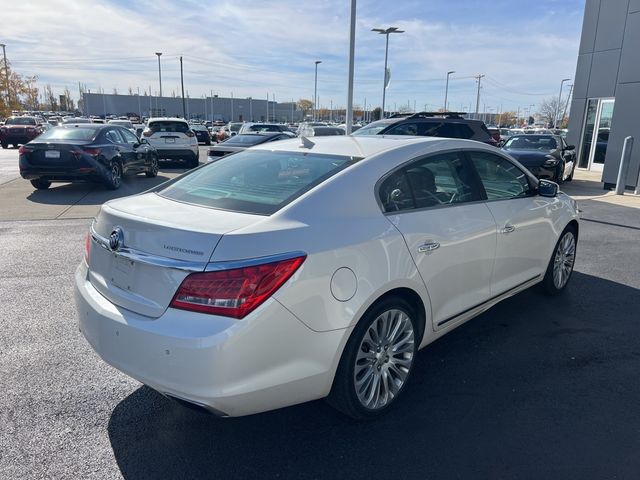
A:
308,269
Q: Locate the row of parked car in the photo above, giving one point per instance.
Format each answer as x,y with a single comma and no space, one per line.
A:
81,149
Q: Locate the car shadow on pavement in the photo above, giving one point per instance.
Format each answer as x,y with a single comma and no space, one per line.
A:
89,193
537,387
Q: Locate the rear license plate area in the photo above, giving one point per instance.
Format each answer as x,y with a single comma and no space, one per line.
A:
122,271
54,154
169,140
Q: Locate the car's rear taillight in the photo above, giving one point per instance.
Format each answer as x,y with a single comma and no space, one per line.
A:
235,292
94,152
23,150
147,133
190,134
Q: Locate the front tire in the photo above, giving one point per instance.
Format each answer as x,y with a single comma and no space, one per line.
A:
377,360
562,261
113,175
40,183
5,145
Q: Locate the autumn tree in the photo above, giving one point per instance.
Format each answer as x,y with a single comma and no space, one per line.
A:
16,91
376,113
507,119
305,105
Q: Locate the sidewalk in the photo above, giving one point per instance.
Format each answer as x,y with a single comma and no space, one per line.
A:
586,185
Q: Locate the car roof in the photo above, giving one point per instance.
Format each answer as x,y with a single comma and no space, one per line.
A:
361,147
167,119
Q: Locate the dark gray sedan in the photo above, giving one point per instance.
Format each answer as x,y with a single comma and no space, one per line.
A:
546,156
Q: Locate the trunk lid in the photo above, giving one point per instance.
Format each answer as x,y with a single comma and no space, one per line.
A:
54,154
160,238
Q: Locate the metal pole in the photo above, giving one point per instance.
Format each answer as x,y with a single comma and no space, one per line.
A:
352,49
232,106
555,114
446,90
184,108
160,76
566,105
315,92
479,78
384,81
250,109
621,182
637,190
6,76
139,108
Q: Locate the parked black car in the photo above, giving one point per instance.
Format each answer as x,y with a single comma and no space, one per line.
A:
241,142
430,124
88,151
546,156
202,134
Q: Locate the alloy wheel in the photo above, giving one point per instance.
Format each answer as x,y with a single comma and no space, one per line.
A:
564,260
384,359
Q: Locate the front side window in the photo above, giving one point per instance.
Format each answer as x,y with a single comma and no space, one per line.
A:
403,129
501,178
129,137
259,181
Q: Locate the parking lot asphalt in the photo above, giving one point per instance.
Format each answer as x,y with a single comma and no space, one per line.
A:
534,388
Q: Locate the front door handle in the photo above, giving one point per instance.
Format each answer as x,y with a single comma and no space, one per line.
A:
428,247
508,228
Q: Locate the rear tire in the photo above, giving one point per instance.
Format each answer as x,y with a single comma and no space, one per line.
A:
377,360
152,169
15,145
5,145
560,266
40,183
113,178
193,162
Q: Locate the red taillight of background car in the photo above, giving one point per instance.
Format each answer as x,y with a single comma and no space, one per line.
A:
94,152
236,292
23,150
190,134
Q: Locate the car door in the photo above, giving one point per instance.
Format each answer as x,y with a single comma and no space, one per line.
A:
523,219
435,204
569,155
136,150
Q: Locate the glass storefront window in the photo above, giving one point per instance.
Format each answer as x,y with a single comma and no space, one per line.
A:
595,135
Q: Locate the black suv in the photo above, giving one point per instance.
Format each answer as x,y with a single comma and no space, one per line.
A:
430,124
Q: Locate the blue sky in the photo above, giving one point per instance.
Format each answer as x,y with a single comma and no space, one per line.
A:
250,48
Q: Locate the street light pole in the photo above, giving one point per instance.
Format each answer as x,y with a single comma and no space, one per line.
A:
352,42
555,115
315,91
446,90
160,76
385,32
6,75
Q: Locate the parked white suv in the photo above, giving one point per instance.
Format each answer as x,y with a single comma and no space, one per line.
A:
173,139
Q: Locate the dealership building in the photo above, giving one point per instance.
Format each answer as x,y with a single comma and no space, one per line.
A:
606,95
209,108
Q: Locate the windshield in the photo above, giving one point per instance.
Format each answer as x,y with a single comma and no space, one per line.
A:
20,121
82,133
531,142
373,128
259,182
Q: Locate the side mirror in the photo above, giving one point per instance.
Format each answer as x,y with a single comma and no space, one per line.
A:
547,188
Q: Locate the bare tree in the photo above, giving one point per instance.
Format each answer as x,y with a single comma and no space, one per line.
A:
549,108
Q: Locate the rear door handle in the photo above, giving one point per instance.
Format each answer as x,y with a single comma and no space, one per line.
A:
508,228
428,247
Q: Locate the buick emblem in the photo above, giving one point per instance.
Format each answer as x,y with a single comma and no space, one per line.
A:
116,239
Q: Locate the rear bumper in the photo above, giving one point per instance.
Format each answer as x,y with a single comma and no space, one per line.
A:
232,367
176,154
78,170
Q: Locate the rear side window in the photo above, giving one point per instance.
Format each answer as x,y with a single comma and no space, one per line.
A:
501,179
168,127
259,182
113,136
437,180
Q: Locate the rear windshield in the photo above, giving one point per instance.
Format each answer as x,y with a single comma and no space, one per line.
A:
122,123
249,139
20,121
76,120
259,182
168,126
69,133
